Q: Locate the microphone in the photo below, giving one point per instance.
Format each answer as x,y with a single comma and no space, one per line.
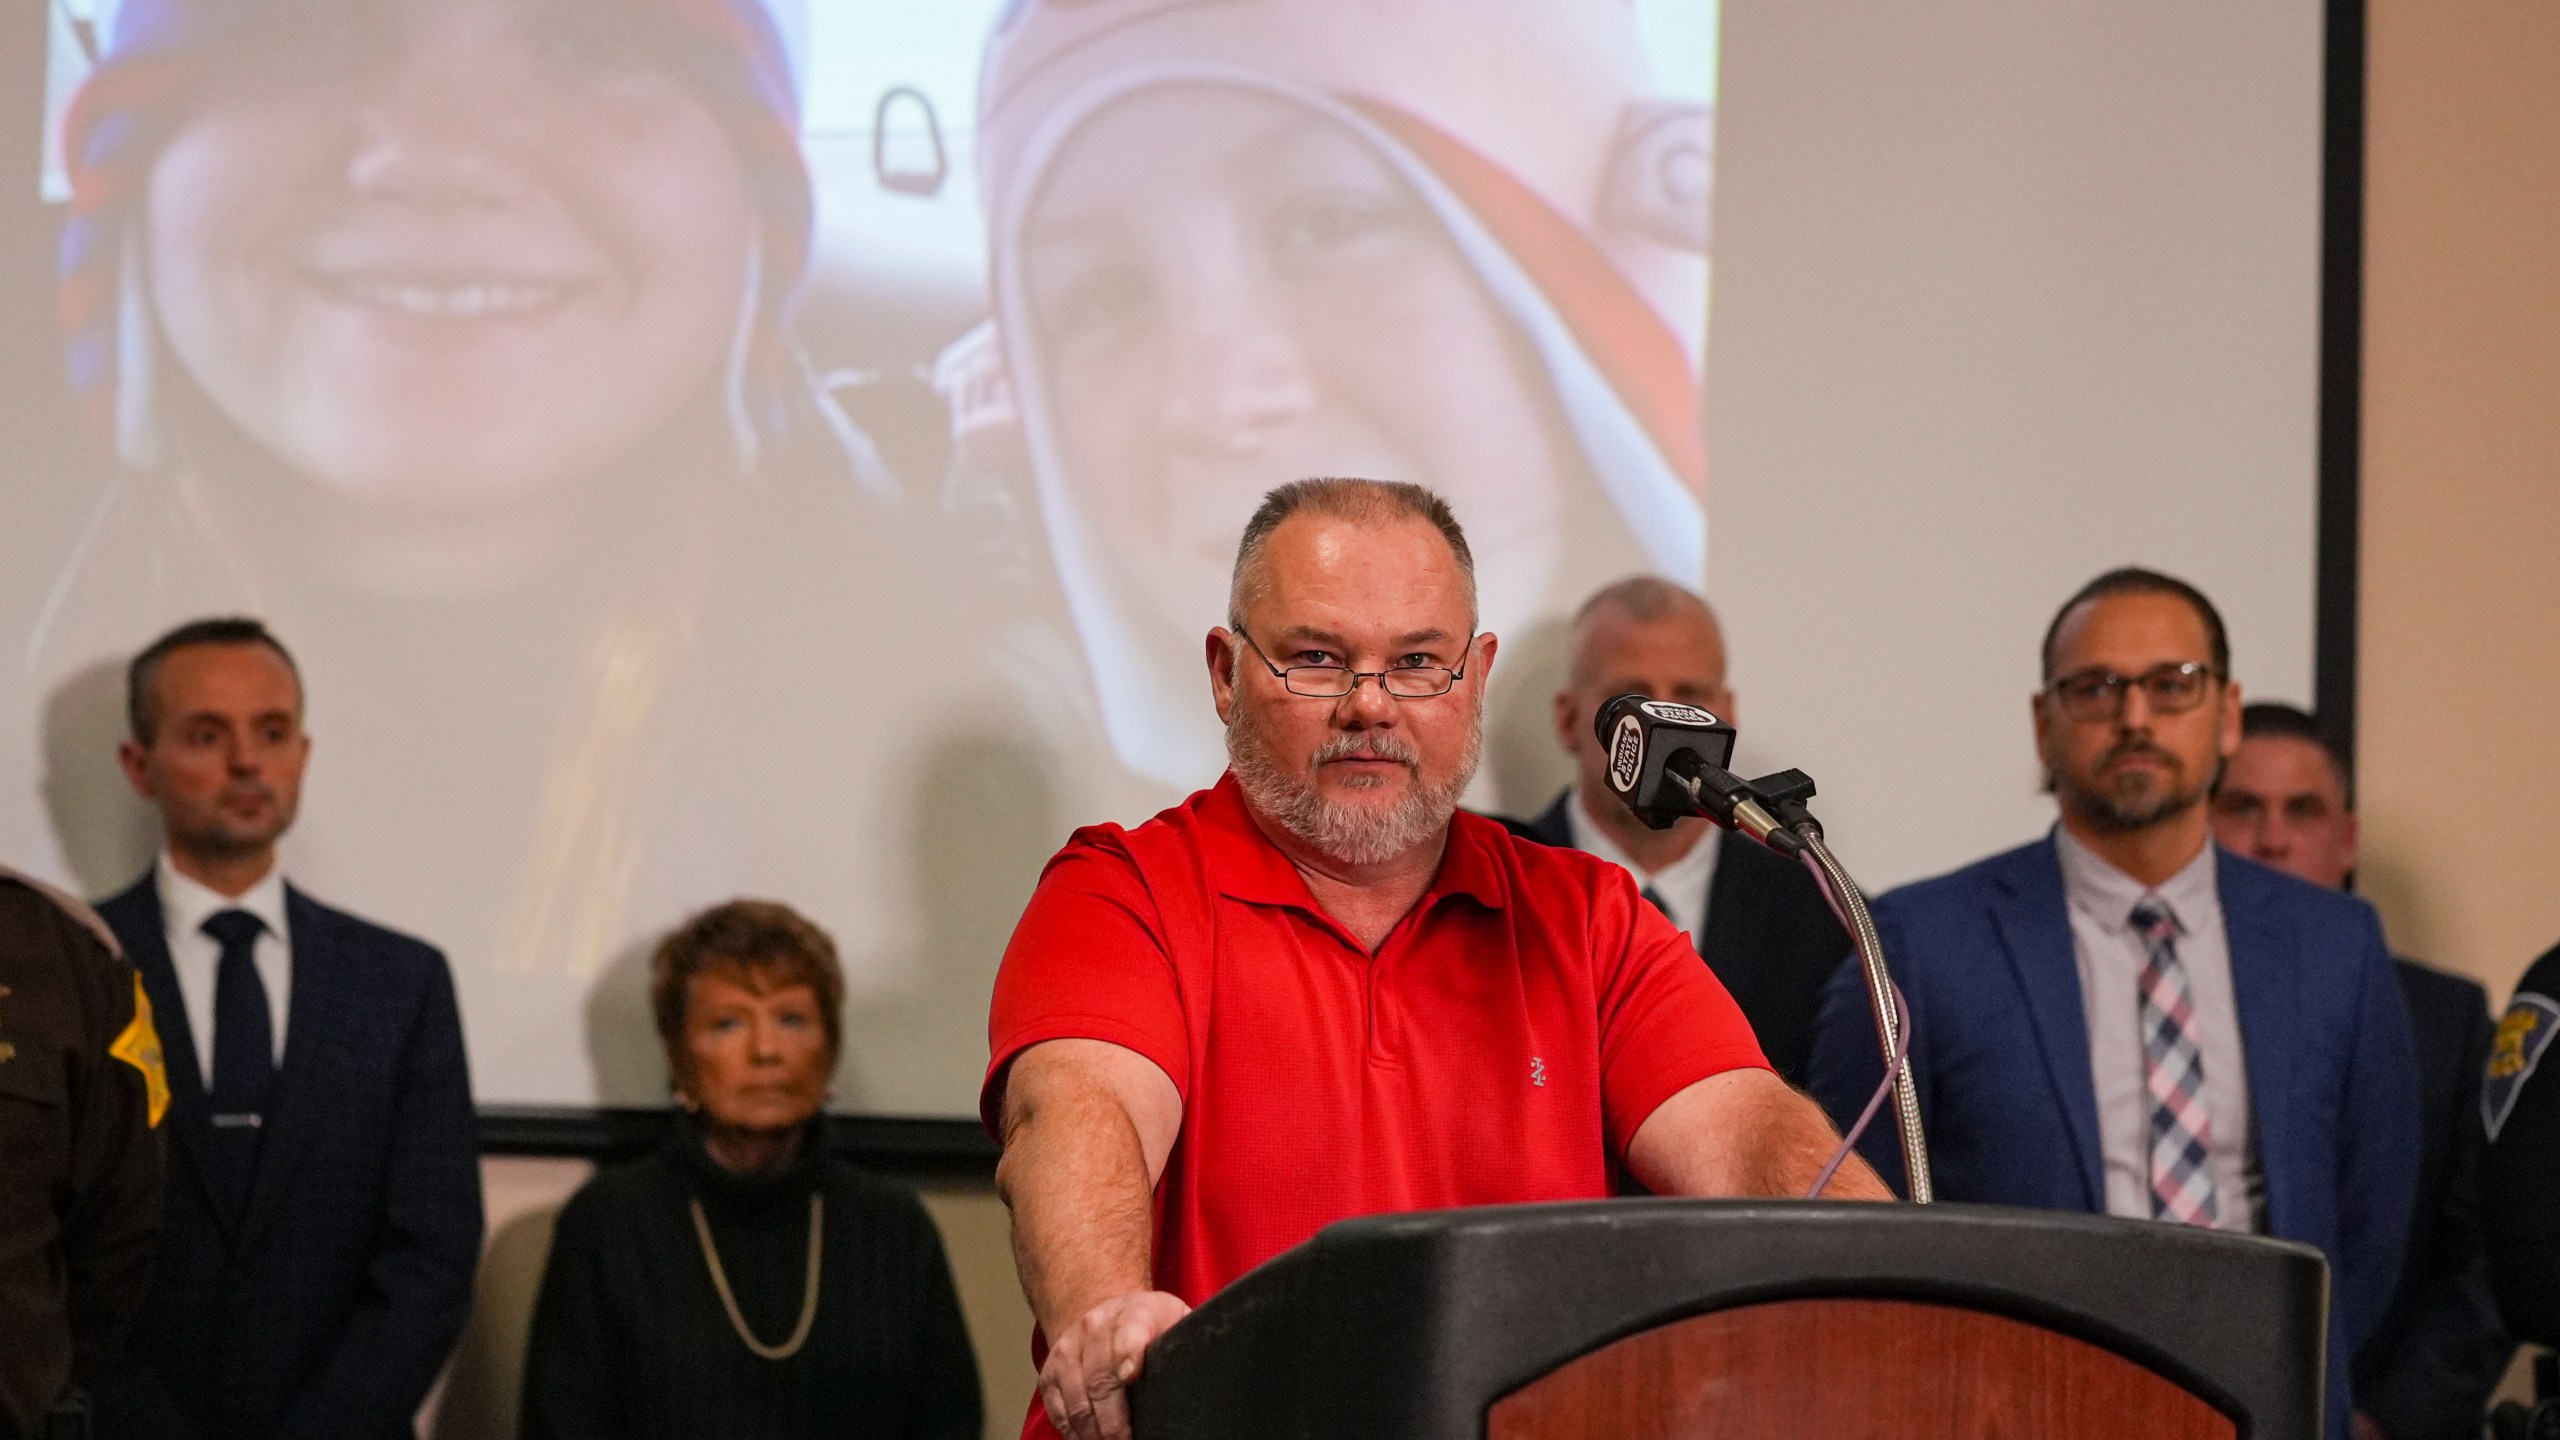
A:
1666,763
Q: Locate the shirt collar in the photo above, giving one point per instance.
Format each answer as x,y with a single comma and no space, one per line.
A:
187,903
2108,895
1247,866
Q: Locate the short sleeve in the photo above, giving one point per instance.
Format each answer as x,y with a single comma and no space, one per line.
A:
1087,961
1666,1021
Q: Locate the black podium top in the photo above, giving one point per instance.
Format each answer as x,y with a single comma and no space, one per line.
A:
1407,1327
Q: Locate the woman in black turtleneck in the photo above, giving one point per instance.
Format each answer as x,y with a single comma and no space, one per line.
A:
742,1282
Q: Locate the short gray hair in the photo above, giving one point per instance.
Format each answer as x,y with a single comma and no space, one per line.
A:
1643,598
1362,502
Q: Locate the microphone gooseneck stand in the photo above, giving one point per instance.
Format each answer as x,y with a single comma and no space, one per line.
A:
1792,830
1850,904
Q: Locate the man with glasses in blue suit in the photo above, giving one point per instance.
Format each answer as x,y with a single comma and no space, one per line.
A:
2121,1018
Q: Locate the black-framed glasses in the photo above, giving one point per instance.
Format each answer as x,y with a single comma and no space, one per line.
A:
1332,682
2099,694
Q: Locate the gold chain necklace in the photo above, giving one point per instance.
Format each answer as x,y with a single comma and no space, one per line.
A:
729,1301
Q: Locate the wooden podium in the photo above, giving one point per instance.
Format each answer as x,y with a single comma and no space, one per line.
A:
1683,1320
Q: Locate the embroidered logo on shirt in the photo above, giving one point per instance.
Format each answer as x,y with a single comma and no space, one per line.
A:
1537,1071
2525,1032
139,1047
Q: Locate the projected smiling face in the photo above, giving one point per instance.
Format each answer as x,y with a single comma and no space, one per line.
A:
444,255
1228,291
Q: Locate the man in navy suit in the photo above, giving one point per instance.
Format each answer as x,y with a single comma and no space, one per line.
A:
322,1215
2426,1373
1757,918
2121,1018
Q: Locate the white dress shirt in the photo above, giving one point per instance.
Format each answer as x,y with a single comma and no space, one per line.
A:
2111,953
184,907
1683,884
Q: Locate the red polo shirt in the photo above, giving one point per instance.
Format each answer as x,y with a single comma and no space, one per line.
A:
1502,1045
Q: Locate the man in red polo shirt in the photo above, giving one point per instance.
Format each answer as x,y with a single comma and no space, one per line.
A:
1318,990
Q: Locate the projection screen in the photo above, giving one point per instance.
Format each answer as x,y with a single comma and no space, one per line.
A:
794,448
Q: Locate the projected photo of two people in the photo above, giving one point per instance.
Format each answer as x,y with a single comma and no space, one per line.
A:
674,492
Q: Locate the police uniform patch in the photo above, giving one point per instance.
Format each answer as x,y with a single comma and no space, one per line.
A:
139,1047
2523,1035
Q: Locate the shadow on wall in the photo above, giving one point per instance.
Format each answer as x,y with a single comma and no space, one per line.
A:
985,818
105,833
1527,766
2385,878
623,1050
483,1388
480,1395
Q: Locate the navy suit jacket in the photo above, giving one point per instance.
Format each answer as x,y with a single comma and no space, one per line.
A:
2427,1372
327,1306
2000,1057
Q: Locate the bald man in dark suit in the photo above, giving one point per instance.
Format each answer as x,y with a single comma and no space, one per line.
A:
1759,920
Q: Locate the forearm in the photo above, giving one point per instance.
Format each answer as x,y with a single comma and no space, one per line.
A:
1744,1134
1074,1174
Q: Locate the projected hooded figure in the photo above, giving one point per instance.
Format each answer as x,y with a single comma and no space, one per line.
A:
1234,242
453,338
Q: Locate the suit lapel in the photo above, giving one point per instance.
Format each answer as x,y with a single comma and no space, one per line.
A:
303,1086
190,1119
2034,922
1733,901
2266,985
1551,827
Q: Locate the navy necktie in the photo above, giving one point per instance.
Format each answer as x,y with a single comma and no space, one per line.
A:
244,1063
1655,898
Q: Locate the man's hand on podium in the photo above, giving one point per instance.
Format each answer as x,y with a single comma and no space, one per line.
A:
1084,1385
1087,1128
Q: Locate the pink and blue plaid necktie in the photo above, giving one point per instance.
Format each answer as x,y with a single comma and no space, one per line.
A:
2173,1076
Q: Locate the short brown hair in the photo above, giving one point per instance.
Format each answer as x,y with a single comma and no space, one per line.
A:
2134,580
142,675
1363,502
775,945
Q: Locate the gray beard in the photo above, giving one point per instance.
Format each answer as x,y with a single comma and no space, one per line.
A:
2122,814
1349,833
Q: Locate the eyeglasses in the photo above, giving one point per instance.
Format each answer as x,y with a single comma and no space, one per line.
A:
1332,682
2099,694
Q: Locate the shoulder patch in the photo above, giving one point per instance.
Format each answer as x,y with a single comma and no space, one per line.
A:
139,1047
2524,1033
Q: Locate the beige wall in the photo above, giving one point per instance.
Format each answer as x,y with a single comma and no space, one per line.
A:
2459,677
477,1399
